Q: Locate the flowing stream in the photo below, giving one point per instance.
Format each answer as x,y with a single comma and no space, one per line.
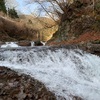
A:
64,71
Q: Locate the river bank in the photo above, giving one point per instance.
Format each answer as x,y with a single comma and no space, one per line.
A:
15,86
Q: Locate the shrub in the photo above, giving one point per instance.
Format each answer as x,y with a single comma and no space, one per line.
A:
97,7
12,13
96,42
96,25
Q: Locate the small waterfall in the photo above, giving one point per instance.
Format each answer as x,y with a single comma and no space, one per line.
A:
64,71
32,44
44,43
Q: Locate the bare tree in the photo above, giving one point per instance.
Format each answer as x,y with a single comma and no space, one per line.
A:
55,8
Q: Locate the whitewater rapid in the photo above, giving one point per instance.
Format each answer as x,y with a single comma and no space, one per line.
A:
64,71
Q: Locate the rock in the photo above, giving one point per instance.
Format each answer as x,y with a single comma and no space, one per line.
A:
77,98
38,43
21,87
90,47
1,43
24,43
94,49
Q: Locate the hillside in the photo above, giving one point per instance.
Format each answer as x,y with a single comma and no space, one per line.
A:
37,23
26,28
80,24
13,29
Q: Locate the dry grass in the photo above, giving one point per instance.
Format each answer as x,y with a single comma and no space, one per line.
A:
14,29
37,23
27,28
46,34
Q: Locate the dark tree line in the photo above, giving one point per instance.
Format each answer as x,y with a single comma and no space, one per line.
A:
2,6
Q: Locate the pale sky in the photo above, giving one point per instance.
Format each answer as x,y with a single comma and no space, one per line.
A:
21,6
30,8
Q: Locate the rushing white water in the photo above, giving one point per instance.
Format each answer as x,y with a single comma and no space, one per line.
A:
9,45
64,71
32,44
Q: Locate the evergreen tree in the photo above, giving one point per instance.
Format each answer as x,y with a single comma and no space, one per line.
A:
2,6
12,13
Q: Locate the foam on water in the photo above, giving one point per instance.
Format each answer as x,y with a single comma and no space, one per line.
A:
9,45
64,71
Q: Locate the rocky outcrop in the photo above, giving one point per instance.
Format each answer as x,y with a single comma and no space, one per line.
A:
90,48
15,86
94,49
47,33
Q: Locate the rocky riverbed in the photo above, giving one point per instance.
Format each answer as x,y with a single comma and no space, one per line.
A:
15,86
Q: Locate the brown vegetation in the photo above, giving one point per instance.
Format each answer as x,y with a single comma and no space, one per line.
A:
26,29
15,86
14,29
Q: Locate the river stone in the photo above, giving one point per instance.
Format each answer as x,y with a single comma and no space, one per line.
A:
1,43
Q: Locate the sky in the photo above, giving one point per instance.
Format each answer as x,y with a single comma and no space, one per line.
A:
30,8
21,6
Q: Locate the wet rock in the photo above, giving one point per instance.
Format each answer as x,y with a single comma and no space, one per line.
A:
77,98
1,43
94,49
38,43
90,47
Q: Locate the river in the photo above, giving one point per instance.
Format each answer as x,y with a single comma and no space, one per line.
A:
64,70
